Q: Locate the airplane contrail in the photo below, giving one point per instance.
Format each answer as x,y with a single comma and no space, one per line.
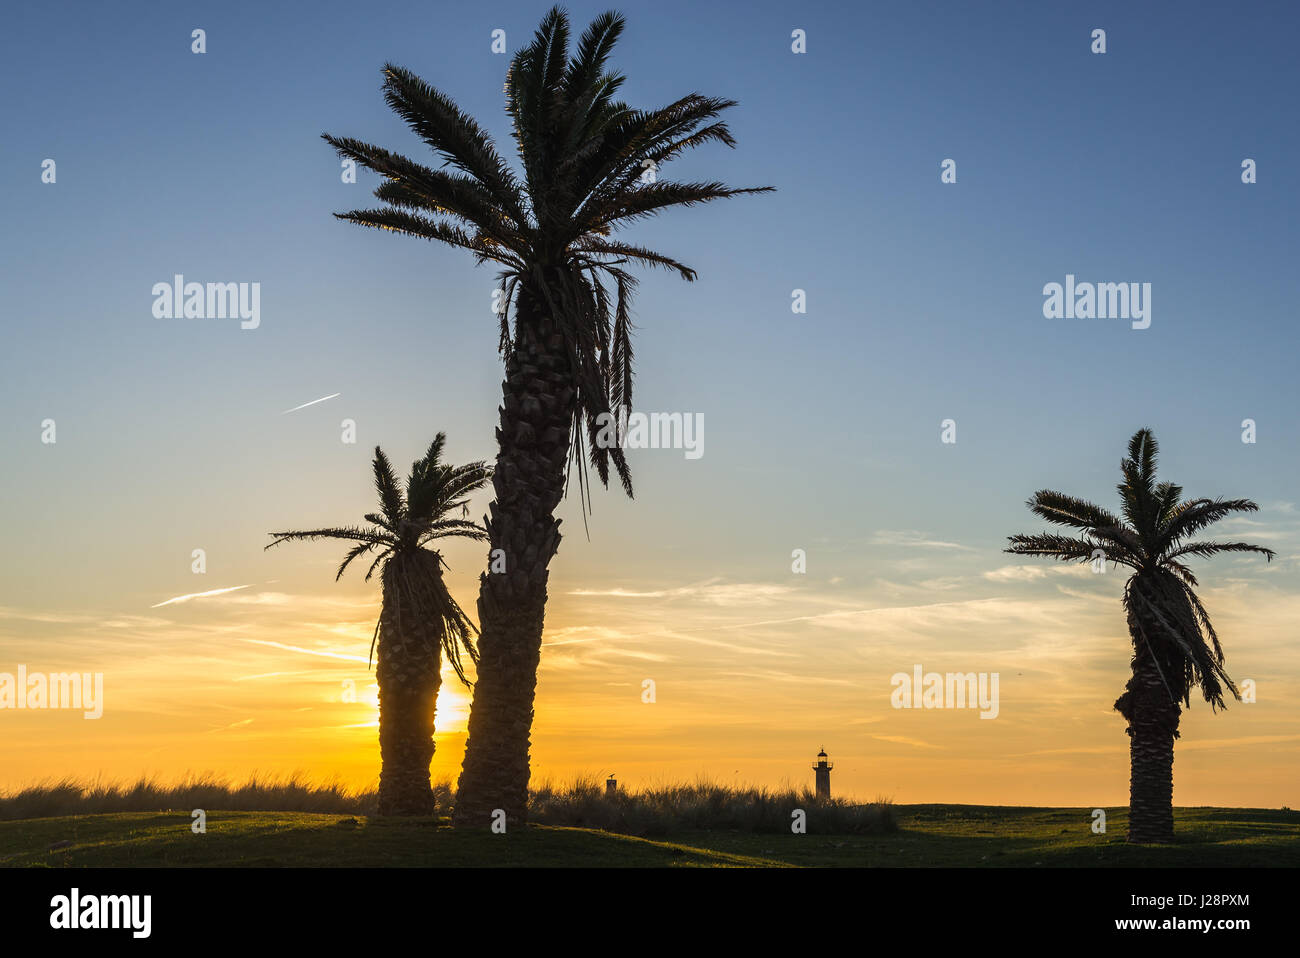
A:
197,595
312,403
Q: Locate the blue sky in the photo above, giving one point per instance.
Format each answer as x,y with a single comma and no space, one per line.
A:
822,429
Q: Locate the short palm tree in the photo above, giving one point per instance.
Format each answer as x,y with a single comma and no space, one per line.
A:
1175,647
590,166
418,619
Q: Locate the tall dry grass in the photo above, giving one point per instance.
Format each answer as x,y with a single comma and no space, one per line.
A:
291,794
662,810
655,811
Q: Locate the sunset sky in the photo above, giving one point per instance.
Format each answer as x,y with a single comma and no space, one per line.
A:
822,429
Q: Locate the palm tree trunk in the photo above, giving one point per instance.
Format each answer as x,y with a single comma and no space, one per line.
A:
1152,713
408,671
533,439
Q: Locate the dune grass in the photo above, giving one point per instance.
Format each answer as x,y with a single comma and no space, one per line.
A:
258,793
671,809
655,812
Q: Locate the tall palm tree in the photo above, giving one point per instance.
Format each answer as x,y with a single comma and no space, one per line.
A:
1175,647
589,166
418,619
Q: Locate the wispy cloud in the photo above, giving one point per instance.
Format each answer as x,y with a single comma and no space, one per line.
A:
914,539
271,675
225,728
1184,744
1031,573
1255,528
712,590
53,618
904,740
177,599
298,648
770,675
264,598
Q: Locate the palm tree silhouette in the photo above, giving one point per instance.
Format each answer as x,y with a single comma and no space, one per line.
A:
590,166
1175,647
418,619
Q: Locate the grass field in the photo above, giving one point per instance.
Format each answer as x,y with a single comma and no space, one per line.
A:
927,835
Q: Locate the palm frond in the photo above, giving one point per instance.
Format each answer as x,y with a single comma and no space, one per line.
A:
594,48
653,198
637,254
533,100
359,550
1065,548
416,186
454,135
1200,514
390,493
1137,491
461,528
353,533
639,135
1205,550
1066,510
415,224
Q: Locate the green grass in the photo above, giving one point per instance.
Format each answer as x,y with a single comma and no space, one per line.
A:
989,836
301,839
927,835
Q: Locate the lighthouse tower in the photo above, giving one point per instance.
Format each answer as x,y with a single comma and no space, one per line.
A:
823,770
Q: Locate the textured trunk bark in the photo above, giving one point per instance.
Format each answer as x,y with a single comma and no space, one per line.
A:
407,668
533,448
1153,716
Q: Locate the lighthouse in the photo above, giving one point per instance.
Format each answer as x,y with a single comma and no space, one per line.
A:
823,770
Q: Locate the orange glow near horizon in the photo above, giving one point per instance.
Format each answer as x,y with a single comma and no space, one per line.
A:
256,682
